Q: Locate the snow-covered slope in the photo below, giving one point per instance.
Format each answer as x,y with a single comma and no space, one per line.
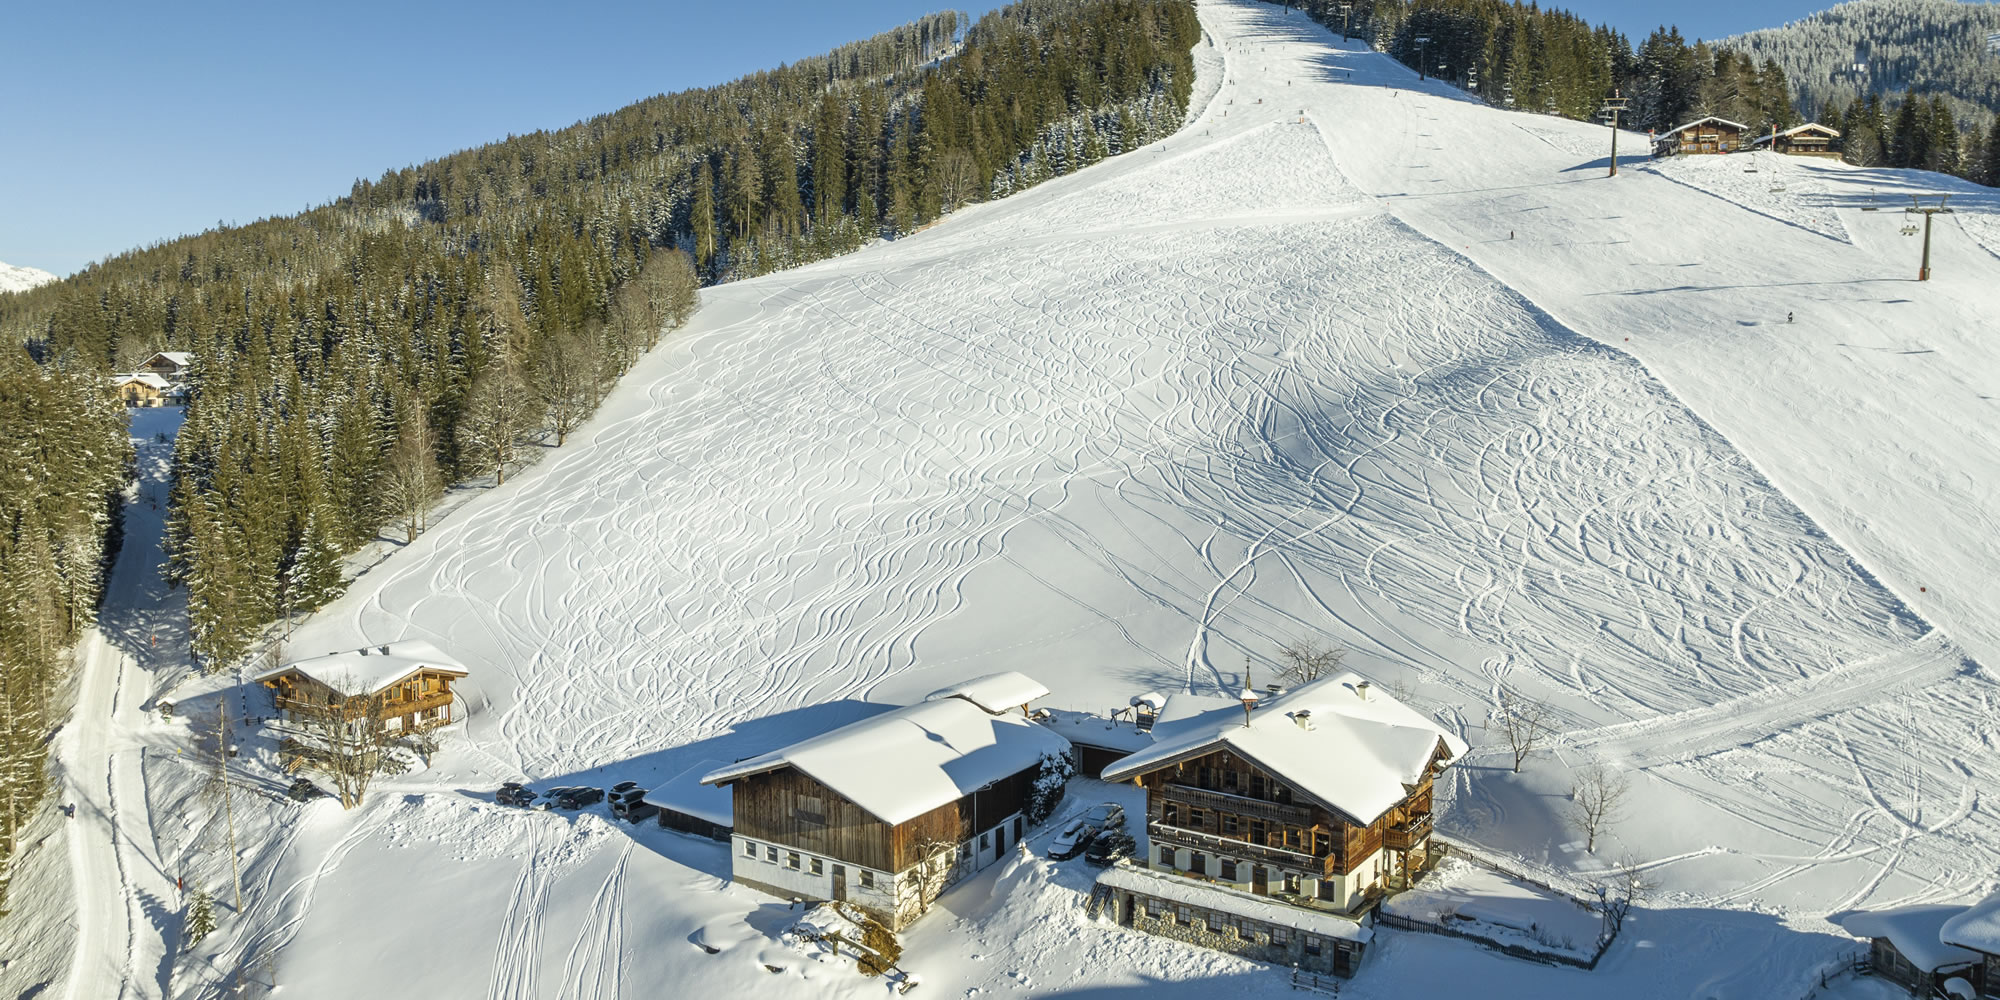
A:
1348,357
14,278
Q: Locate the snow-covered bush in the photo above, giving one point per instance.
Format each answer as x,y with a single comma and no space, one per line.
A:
1050,781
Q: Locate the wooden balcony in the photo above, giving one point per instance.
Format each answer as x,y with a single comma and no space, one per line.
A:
1242,805
1230,847
1408,835
391,708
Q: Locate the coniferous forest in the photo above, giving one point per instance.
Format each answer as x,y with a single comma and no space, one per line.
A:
442,323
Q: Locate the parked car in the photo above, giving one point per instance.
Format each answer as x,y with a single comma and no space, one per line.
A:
1109,847
631,805
514,793
623,787
303,790
1106,816
576,797
1072,840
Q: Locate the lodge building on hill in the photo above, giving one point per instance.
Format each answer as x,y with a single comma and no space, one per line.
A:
1703,136
403,685
1810,139
1275,820
882,811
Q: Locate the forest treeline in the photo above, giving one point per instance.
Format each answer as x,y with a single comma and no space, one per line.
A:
64,457
1888,48
439,323
1535,58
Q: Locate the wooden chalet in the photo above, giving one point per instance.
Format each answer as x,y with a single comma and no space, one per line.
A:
874,811
1910,946
1705,135
146,389
1812,139
406,685
169,365
1313,802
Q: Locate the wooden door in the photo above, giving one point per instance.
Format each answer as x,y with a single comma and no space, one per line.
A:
840,882
1260,880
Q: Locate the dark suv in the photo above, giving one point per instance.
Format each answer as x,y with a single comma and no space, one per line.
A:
577,797
514,793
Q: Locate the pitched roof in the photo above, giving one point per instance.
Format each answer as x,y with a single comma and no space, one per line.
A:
180,359
684,793
995,693
1914,932
371,668
1343,742
1978,928
1765,139
1739,126
908,761
143,378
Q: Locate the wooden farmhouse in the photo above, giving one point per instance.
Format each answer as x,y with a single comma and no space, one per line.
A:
886,811
1706,135
169,365
1934,949
1275,822
146,389
1811,139
404,685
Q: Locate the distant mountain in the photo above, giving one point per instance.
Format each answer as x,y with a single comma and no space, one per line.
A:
20,279
1888,47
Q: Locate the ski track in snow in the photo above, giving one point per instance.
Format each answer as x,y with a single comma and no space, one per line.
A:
1138,424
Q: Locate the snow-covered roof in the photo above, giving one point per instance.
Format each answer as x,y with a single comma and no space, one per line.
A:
179,359
684,793
371,668
1151,699
995,693
1914,931
1182,890
144,378
1978,928
1807,127
908,761
1738,126
1095,730
1342,741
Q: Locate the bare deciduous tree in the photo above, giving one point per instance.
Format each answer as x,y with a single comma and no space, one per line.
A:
930,876
1524,721
1304,660
1618,891
566,379
957,176
498,411
410,480
1596,800
347,742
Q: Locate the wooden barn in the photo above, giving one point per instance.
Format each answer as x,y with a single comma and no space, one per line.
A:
1907,947
1316,801
1977,930
1706,135
886,811
687,805
405,685
1812,139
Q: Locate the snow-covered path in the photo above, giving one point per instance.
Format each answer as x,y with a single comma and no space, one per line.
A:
1137,427
127,909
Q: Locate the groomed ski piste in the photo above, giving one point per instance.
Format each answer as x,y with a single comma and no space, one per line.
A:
1350,357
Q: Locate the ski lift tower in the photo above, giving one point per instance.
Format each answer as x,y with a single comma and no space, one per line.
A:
1614,106
1917,208
1346,14
1423,47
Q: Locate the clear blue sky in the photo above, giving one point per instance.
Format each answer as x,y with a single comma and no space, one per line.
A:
129,123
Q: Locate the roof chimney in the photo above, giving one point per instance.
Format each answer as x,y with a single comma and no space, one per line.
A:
1304,718
1361,689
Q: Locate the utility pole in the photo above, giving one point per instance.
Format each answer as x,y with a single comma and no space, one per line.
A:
1612,108
1346,12
221,779
1423,46
1917,208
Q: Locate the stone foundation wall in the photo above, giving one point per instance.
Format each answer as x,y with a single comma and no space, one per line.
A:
1248,938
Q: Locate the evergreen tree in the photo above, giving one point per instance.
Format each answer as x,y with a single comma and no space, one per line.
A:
200,918
701,218
1990,175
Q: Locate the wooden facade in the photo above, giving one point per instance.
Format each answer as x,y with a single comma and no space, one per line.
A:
673,819
1808,140
1707,136
420,701
1226,808
791,808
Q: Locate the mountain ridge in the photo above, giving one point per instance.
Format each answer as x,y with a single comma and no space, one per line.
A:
17,278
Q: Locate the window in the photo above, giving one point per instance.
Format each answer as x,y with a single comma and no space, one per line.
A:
1256,786
1279,935
1291,882
867,879
1182,917
1228,870
809,809
1198,863
985,841
1229,781
1257,833
1229,824
1207,776
1197,819
1326,889
1312,945
817,867
771,854
1292,836
1322,844
792,860
1170,813
1281,793
749,849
